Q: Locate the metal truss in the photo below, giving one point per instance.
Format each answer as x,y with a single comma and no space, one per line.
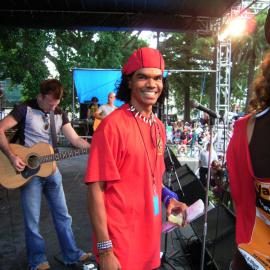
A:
223,84
244,9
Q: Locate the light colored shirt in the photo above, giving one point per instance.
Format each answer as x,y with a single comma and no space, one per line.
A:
106,109
204,156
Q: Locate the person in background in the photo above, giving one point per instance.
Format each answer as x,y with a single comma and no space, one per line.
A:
104,110
92,108
107,108
33,121
203,163
248,160
125,169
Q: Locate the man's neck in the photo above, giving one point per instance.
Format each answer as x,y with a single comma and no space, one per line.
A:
145,111
40,104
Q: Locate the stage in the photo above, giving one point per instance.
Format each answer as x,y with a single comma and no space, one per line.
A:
13,253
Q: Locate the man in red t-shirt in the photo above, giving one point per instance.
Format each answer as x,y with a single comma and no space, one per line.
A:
125,168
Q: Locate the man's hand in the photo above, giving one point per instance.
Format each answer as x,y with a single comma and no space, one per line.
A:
175,208
17,163
109,262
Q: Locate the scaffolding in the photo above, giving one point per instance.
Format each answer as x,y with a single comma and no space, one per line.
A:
244,9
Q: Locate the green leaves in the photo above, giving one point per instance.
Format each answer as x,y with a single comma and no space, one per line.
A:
23,53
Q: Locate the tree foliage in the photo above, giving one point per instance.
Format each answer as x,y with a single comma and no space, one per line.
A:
188,52
247,54
22,58
23,53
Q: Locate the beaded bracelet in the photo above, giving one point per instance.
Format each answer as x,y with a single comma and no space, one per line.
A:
104,245
167,195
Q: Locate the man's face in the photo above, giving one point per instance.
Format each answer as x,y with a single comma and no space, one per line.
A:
111,98
49,103
146,86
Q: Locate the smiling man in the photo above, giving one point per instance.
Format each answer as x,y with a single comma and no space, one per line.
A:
125,169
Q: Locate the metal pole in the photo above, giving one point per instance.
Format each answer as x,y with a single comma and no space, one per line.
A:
73,97
206,193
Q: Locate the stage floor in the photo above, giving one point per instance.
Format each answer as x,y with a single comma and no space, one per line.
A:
13,253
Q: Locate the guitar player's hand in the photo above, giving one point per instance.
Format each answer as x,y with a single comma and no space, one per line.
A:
18,163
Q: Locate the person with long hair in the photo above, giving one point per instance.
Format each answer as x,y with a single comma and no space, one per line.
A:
248,160
125,168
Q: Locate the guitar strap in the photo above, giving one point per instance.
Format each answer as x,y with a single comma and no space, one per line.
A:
53,132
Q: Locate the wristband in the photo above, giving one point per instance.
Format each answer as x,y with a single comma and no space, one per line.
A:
167,195
104,245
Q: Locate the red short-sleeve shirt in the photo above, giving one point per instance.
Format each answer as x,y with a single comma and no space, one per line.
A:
122,149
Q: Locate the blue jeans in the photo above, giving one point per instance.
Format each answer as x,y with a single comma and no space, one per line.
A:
31,194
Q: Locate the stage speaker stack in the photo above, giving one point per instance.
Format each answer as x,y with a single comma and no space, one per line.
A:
190,185
220,239
83,110
171,161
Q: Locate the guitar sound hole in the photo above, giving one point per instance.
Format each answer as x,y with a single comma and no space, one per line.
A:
33,162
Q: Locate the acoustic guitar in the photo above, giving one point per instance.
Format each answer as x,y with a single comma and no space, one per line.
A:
40,160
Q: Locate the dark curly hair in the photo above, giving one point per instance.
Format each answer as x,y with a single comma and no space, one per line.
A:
261,87
124,92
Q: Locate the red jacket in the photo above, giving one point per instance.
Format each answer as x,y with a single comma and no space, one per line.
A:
241,179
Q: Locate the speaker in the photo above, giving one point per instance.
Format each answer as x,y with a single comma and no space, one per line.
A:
171,161
220,238
83,110
189,183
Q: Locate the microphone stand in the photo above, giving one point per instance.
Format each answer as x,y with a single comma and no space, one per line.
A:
212,121
174,170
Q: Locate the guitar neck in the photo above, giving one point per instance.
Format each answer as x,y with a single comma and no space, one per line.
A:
63,155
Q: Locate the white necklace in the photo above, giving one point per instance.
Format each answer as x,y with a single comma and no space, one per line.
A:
148,120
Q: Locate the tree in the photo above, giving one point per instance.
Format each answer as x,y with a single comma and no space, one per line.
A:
186,52
86,49
22,55
247,53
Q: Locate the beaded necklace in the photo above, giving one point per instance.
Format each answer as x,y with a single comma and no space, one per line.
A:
148,120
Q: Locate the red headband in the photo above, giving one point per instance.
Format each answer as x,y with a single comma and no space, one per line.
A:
144,58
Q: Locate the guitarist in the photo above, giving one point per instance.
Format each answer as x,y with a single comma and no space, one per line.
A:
104,109
33,121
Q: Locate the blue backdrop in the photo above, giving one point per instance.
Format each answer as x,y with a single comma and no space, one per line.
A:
96,83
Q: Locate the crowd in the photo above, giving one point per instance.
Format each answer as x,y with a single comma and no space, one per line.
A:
188,137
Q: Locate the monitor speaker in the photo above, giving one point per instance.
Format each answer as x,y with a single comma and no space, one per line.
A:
83,110
220,237
171,161
189,188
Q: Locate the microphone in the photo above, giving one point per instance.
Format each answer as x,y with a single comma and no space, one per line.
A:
197,105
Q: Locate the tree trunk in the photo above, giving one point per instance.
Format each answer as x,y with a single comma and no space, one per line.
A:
187,103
